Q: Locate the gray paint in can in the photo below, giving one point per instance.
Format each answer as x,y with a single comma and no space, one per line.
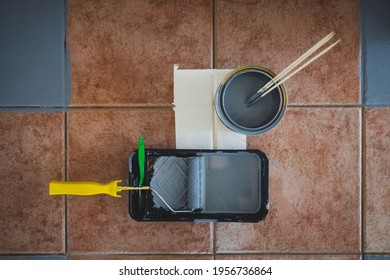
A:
233,93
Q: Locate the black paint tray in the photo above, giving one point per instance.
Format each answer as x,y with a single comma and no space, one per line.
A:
200,185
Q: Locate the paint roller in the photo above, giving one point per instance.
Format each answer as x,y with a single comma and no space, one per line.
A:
177,184
195,181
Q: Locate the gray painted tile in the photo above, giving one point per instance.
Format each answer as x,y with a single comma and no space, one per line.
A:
32,55
376,257
375,76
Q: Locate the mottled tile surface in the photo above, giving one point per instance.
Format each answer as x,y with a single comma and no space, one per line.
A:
273,33
100,142
377,188
314,186
287,257
31,154
123,52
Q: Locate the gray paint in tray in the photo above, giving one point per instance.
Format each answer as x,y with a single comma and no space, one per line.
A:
210,182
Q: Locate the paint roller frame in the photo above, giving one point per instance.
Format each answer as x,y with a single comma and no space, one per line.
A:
141,205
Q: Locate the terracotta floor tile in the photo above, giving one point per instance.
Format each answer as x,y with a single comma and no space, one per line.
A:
314,186
100,142
377,187
274,33
123,52
31,154
288,257
141,257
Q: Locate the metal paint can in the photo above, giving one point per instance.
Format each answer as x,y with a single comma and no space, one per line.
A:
231,101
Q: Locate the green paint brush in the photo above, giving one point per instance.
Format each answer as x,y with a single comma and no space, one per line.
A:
141,160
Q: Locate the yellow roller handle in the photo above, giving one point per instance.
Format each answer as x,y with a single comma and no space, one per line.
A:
90,188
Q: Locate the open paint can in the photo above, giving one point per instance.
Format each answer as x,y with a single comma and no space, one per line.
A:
231,101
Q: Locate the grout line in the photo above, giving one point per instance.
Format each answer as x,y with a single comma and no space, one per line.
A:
211,255
138,106
139,254
325,105
163,106
213,62
90,106
290,253
32,107
23,254
66,102
373,253
66,179
48,109
213,239
363,180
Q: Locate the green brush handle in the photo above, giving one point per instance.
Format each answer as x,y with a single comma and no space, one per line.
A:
141,160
